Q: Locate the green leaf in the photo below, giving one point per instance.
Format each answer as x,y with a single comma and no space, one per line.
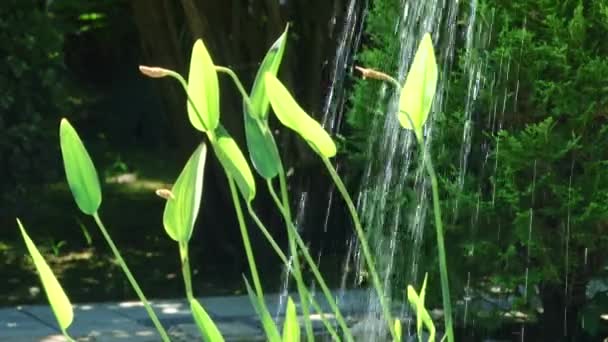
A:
60,304
397,327
205,324
262,148
419,89
203,89
270,64
79,170
293,116
291,328
422,315
272,333
234,163
182,208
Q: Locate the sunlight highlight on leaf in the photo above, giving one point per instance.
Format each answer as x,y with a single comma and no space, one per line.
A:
419,90
203,89
182,209
79,170
291,328
60,304
293,116
234,162
204,323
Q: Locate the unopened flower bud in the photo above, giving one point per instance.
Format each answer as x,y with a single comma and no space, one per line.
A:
154,72
165,193
371,73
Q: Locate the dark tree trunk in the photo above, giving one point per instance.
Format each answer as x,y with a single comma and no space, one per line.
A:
156,23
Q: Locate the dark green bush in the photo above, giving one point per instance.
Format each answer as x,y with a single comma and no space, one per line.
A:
534,194
33,94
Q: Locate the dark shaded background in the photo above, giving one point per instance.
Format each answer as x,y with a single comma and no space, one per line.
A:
79,60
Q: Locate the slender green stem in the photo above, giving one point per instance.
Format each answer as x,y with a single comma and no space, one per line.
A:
67,337
246,242
296,268
267,235
284,193
443,267
127,272
184,84
313,266
183,254
238,84
364,245
305,296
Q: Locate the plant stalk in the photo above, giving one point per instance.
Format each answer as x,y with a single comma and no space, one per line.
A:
183,254
127,272
313,266
246,242
364,245
443,267
305,295
296,267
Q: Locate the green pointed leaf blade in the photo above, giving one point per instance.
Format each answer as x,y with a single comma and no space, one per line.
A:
423,289
262,148
419,90
182,209
422,315
234,163
205,324
414,300
60,304
291,328
203,89
270,328
79,170
294,117
398,332
270,64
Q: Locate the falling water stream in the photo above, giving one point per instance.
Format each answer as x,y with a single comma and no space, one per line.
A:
349,35
391,149
395,229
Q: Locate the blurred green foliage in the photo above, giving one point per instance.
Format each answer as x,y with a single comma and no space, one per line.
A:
34,92
543,203
379,50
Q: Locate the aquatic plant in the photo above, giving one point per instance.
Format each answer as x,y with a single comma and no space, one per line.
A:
183,199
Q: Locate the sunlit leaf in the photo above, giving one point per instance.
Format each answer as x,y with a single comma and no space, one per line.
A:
234,163
293,116
79,170
419,89
398,332
205,324
182,208
260,143
270,64
270,328
60,304
291,328
422,315
203,89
